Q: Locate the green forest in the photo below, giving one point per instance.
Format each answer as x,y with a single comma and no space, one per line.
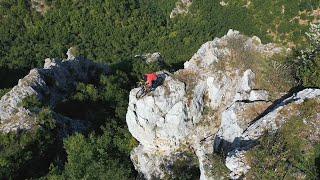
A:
113,32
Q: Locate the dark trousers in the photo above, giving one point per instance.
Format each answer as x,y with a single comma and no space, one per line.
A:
158,81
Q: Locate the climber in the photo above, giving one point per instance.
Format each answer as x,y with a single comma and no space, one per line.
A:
154,80
150,80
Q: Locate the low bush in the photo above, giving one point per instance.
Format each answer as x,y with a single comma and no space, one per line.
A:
308,62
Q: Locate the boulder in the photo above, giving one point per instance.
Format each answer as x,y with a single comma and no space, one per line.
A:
182,7
150,58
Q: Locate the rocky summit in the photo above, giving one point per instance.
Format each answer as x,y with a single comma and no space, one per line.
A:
223,101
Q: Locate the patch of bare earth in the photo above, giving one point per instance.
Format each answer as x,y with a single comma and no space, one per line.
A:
315,14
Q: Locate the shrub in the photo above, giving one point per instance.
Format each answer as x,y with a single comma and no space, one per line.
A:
3,92
92,158
184,167
27,154
32,103
308,61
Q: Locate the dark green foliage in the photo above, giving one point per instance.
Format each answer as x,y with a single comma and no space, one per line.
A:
185,167
99,103
3,92
310,72
307,63
32,103
92,158
308,67
27,154
104,154
114,31
185,170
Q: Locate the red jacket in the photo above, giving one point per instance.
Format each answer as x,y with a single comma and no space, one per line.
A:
151,78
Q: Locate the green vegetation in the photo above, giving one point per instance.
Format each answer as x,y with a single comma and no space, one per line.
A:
113,32
32,103
308,62
3,92
102,153
92,158
218,169
27,154
290,153
184,167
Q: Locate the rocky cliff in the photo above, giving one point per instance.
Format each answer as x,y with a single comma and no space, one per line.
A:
231,92
49,85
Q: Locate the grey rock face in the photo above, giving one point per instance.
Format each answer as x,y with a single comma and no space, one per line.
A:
158,119
152,58
50,85
271,121
210,105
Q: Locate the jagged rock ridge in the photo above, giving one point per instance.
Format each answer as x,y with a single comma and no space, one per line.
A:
50,85
218,102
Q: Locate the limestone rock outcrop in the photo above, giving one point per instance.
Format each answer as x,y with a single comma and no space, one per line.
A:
50,85
217,103
155,57
182,7
39,6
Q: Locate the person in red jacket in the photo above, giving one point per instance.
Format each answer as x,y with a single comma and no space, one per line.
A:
150,80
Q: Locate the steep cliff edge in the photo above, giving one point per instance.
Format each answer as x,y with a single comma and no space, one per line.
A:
231,92
49,85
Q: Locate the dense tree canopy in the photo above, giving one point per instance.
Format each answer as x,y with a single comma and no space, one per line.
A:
113,32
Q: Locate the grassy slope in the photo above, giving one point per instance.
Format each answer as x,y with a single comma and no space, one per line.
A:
293,152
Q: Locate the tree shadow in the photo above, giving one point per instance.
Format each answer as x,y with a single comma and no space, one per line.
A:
10,77
317,164
224,147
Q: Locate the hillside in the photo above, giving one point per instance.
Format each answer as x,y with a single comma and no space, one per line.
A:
235,103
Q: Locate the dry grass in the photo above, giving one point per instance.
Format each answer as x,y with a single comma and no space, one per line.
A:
190,78
302,21
275,76
272,73
252,111
279,154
